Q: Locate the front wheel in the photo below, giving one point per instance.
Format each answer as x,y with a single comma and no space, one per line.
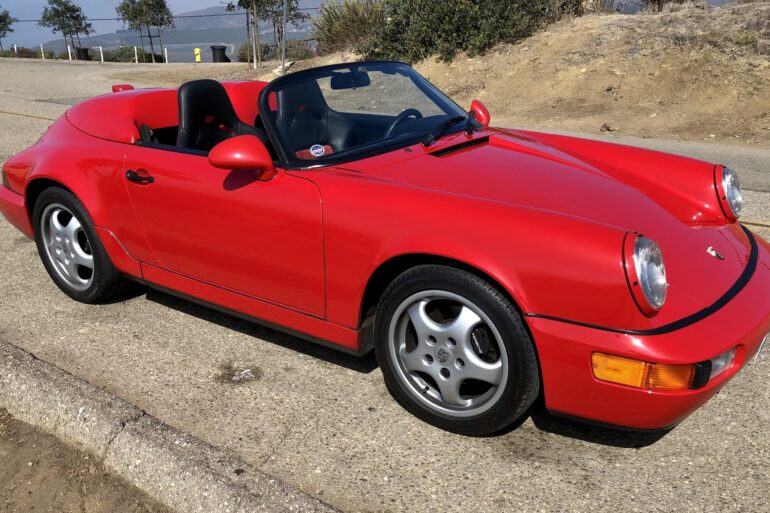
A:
454,351
70,250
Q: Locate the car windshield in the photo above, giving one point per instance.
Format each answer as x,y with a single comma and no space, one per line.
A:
343,112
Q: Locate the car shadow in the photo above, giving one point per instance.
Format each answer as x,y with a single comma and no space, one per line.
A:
541,418
595,434
130,290
363,364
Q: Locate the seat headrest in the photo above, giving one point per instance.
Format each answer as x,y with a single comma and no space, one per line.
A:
203,102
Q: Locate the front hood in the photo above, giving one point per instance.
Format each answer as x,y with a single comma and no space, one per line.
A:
518,170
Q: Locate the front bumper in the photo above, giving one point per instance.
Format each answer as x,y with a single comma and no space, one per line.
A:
570,387
13,208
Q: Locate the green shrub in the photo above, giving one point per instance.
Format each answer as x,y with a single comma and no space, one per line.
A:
125,54
347,24
244,51
295,51
27,53
417,29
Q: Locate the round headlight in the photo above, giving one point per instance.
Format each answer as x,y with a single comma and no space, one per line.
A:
731,188
646,273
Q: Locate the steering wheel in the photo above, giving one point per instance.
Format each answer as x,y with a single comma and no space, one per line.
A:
401,118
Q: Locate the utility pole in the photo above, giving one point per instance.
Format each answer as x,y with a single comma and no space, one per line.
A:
283,38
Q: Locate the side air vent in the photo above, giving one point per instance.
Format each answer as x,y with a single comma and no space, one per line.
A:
460,147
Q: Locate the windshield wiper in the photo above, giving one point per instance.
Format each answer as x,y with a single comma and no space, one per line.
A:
441,130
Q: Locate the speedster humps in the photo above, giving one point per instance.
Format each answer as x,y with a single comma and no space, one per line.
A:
357,206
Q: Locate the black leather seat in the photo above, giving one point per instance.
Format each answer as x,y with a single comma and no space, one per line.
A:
305,119
207,116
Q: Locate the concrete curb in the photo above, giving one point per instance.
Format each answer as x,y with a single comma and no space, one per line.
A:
178,470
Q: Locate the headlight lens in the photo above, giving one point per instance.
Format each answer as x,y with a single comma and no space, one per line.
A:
650,272
731,187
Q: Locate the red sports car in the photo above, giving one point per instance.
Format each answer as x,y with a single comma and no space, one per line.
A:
357,206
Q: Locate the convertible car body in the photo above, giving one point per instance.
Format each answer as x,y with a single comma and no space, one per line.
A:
357,206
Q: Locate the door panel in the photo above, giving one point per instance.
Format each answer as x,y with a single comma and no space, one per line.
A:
263,239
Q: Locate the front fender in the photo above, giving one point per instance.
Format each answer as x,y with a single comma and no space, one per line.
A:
685,187
549,263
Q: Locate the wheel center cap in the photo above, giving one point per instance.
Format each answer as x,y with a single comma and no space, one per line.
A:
443,354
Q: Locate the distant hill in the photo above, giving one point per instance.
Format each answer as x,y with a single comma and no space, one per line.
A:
214,25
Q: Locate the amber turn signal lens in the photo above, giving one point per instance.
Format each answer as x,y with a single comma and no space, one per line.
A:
669,377
617,369
638,374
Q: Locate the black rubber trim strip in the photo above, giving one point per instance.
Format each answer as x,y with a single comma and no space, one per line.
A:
733,291
607,425
365,349
702,375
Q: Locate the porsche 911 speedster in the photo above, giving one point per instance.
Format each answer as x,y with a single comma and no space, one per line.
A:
357,206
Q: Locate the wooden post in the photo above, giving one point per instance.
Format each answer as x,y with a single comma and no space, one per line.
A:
42,52
69,52
165,54
101,53
136,56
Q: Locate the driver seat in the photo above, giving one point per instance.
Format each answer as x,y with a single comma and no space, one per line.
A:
207,116
304,119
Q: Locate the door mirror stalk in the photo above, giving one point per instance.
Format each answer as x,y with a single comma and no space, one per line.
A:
481,113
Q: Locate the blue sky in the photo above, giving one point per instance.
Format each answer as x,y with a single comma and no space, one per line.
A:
30,34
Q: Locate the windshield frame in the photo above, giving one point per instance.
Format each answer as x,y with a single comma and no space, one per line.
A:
371,149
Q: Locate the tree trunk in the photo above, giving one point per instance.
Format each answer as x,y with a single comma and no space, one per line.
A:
255,43
79,43
160,40
152,46
275,33
141,37
660,5
248,39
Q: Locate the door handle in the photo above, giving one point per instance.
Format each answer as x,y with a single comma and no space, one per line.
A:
133,176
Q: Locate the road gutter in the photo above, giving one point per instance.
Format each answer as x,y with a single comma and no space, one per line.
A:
176,469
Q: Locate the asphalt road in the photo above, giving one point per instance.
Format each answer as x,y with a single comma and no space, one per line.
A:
323,421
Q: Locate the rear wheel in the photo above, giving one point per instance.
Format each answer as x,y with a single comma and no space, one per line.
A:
70,250
454,351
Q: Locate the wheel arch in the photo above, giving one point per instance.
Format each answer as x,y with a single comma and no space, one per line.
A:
35,188
388,270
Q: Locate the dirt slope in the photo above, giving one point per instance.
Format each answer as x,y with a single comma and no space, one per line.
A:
39,473
696,74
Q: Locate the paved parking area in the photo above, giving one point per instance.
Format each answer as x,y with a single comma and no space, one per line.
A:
323,421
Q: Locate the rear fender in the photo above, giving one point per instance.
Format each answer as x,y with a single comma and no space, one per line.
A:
92,169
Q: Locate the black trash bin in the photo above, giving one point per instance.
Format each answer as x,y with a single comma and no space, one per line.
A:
81,54
218,53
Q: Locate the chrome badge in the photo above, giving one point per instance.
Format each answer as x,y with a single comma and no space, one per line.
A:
713,252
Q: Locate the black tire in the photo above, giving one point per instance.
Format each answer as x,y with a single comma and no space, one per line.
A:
508,403
105,280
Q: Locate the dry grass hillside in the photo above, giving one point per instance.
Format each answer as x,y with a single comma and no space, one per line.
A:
694,74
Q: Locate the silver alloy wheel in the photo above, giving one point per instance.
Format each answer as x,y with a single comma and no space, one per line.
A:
436,359
67,246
